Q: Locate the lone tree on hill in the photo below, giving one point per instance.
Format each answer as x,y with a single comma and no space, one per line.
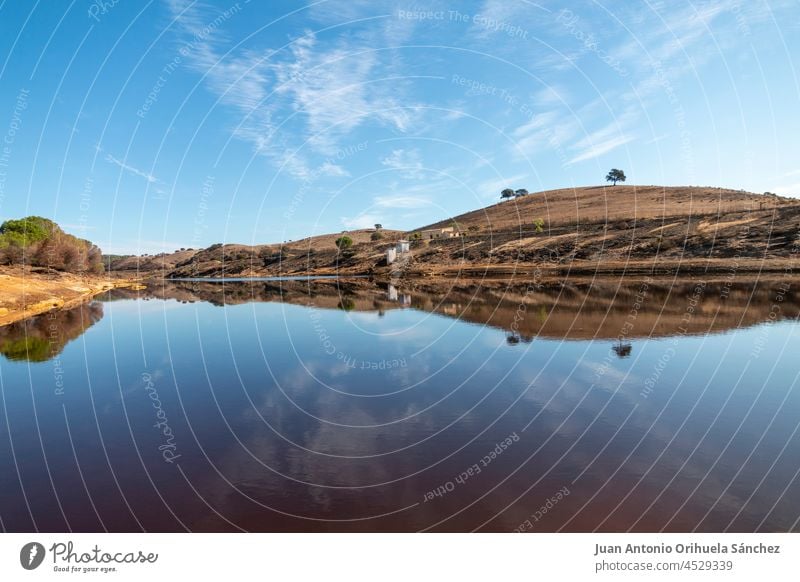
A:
615,176
507,193
378,226
344,242
521,192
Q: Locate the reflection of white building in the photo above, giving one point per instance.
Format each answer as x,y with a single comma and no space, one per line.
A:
392,294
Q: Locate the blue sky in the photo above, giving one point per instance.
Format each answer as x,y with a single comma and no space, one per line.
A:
151,126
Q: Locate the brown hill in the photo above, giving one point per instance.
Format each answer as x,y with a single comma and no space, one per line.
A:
608,204
588,230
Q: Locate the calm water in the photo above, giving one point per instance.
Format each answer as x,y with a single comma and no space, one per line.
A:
353,406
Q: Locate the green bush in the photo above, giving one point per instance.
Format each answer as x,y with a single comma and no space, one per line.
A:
343,242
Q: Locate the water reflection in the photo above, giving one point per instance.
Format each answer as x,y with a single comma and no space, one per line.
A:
43,337
568,311
335,405
573,310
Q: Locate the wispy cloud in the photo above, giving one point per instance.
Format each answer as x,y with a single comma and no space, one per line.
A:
549,130
131,169
328,168
401,201
606,139
407,162
299,100
593,148
364,220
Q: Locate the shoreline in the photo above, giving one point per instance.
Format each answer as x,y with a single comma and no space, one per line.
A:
25,293
423,271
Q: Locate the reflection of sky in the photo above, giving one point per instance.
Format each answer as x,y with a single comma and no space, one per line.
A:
252,388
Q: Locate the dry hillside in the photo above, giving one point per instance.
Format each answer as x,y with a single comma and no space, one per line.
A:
601,204
599,229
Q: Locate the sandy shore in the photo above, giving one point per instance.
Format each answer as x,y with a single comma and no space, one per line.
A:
25,292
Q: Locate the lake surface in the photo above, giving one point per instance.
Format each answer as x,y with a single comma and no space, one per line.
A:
335,405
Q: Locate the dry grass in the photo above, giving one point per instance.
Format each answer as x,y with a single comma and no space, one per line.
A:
609,204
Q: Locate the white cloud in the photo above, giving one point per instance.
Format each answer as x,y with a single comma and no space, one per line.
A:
365,220
401,201
547,131
307,95
333,170
407,162
595,149
132,170
605,139
792,190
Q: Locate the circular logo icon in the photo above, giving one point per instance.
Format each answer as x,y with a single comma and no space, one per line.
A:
31,555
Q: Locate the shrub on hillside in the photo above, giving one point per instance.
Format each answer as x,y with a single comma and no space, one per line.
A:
344,242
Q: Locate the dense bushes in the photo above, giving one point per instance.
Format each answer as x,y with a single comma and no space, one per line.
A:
40,242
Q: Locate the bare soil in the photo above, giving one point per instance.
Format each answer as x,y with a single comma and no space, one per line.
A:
25,292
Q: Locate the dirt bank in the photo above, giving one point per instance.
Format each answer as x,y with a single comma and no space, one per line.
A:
26,292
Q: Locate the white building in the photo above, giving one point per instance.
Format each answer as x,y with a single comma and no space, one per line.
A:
435,233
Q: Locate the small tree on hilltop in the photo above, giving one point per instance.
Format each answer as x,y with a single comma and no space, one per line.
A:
378,226
507,193
615,176
521,192
344,242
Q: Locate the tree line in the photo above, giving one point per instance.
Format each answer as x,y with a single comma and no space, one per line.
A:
40,242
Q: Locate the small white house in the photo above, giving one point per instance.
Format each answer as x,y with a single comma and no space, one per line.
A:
402,246
435,233
391,255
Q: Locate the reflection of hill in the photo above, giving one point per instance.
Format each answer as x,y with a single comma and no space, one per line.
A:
569,310
609,310
40,338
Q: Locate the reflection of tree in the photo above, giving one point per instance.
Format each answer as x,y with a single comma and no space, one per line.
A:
347,304
513,338
40,338
623,350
